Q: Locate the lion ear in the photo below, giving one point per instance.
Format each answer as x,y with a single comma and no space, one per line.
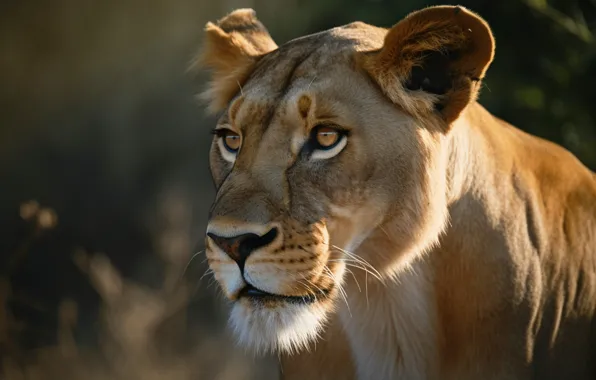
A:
433,61
231,47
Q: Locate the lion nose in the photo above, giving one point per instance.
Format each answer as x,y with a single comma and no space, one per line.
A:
239,247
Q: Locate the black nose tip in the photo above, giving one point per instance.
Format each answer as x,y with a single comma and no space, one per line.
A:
241,246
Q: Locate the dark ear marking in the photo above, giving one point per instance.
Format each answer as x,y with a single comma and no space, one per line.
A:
438,56
432,74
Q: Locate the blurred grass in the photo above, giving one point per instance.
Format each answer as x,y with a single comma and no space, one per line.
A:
144,332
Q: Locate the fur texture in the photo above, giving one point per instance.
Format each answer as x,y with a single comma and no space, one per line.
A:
435,242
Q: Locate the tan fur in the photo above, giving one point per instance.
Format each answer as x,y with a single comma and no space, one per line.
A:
232,46
439,241
437,28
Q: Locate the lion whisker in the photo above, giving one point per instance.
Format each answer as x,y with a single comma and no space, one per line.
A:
359,259
311,82
350,263
208,271
308,284
340,287
355,264
354,277
190,261
374,272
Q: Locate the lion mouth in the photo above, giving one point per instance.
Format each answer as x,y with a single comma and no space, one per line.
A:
251,292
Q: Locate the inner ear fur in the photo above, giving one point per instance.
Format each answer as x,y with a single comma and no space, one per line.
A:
433,61
231,48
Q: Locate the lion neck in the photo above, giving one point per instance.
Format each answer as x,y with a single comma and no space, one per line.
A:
471,137
399,318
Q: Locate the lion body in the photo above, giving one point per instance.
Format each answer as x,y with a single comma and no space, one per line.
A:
471,244
509,292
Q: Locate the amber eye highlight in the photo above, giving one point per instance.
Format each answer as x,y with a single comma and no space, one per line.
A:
229,143
326,137
232,141
229,139
326,142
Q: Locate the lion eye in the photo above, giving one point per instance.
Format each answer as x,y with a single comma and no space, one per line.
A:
326,137
229,143
326,142
232,141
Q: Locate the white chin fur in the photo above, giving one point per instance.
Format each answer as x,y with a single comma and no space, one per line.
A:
288,328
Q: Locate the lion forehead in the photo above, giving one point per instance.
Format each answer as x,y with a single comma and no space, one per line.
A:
276,71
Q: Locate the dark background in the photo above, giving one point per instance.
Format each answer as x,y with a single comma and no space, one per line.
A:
99,126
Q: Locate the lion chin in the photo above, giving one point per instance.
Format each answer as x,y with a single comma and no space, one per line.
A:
278,326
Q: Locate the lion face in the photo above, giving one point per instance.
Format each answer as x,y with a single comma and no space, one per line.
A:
303,177
318,171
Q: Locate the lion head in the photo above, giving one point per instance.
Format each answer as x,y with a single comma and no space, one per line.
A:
328,154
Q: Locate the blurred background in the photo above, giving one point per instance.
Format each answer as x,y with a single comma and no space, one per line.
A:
104,177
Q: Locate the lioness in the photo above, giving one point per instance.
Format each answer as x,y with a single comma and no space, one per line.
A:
373,221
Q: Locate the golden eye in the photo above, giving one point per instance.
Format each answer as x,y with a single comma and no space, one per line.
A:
326,137
231,141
